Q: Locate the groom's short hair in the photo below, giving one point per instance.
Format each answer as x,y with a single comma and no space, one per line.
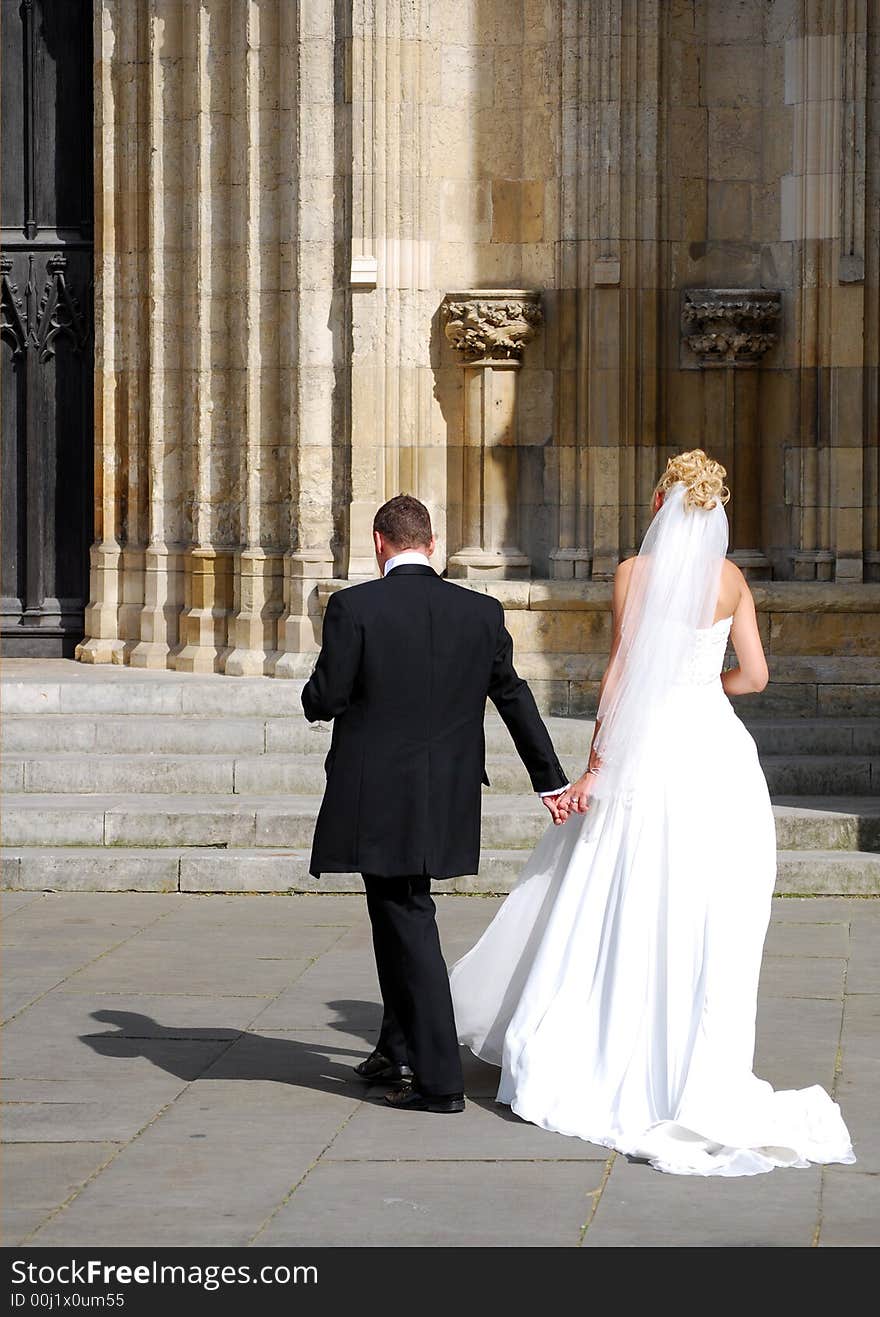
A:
404,522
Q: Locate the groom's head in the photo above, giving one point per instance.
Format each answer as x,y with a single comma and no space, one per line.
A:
400,524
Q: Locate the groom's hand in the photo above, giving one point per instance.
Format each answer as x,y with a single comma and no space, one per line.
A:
558,814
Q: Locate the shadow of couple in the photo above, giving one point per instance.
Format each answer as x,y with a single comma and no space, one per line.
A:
235,1053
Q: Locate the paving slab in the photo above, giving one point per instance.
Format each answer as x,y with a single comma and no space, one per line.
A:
63,1053
463,1203
273,940
128,909
797,1040
803,976
119,1117
850,1210
861,1025
864,966
824,909
217,1164
12,901
293,912
322,999
640,1207
39,1177
857,1095
61,1022
73,943
194,969
480,1079
55,962
798,938
23,986
467,914
484,1130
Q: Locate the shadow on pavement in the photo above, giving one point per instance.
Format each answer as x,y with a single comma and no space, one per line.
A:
247,1056
181,1050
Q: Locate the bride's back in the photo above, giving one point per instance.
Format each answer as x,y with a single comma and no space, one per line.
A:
730,590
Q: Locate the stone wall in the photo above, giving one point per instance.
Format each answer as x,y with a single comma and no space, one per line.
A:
290,197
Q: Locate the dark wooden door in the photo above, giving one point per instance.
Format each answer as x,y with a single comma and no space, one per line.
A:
47,294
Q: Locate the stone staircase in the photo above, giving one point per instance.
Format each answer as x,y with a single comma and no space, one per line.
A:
120,779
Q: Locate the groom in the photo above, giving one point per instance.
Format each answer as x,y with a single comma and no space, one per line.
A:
405,667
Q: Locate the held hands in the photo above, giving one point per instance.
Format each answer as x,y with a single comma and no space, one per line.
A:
574,799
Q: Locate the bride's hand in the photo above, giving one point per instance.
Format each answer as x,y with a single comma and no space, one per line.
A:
576,799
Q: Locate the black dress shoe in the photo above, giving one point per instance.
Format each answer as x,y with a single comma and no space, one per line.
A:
409,1098
378,1069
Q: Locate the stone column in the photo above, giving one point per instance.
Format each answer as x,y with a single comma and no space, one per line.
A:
163,556
208,569
102,642
608,261
729,330
308,346
489,330
257,570
824,215
394,73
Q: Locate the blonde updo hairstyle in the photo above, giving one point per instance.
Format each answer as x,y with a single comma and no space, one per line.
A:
703,479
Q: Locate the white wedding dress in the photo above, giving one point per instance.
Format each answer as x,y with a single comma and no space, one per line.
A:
617,985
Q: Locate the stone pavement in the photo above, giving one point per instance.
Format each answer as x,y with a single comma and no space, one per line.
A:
178,1072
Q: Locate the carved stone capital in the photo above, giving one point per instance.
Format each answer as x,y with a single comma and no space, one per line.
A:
488,326
730,326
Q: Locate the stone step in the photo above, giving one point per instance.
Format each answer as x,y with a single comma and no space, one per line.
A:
159,734
817,736
801,687
845,823
265,821
826,775
303,773
286,732
135,691
59,733
803,873
52,733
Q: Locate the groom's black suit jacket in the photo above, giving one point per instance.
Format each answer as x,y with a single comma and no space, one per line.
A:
405,667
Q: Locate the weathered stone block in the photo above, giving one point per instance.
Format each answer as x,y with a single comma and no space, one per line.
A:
733,75
834,633
560,633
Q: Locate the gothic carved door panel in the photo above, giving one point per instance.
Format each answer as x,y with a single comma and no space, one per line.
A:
47,359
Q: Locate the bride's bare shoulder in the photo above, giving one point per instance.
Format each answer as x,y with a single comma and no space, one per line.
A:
620,586
734,590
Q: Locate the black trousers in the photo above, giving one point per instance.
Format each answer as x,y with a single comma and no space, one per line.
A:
418,1025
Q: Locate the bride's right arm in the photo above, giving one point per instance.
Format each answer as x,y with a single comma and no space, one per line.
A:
750,675
620,588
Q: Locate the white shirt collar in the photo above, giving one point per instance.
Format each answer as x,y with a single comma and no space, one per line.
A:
409,555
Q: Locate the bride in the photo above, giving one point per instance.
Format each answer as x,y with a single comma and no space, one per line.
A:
616,986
